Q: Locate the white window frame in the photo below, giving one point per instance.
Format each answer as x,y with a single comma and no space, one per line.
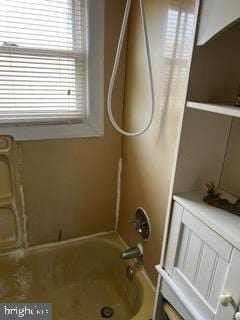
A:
94,126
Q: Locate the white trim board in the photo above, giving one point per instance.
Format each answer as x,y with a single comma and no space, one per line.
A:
227,110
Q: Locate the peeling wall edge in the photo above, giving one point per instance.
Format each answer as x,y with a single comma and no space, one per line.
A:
118,200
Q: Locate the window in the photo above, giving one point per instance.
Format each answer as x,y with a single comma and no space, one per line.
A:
51,62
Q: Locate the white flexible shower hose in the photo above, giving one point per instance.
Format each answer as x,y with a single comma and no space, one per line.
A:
115,67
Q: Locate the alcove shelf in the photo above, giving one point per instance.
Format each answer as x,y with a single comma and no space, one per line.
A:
228,110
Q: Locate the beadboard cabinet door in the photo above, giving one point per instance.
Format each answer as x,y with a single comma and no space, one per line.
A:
203,265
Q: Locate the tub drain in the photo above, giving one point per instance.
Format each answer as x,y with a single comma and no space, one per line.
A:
106,312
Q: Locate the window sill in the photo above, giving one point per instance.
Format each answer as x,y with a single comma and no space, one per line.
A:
52,131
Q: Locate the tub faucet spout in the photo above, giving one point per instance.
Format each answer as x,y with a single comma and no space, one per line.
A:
132,253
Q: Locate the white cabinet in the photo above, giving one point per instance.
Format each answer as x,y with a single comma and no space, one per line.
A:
200,262
202,266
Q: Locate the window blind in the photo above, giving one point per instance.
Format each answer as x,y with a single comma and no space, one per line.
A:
43,60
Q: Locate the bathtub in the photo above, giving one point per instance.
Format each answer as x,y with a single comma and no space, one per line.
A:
79,277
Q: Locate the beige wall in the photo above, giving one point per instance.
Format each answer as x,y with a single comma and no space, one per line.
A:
230,178
70,185
215,77
148,160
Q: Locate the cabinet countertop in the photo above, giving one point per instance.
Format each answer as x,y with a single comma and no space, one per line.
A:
226,224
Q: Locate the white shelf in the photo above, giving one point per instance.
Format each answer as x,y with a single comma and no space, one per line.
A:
228,110
226,224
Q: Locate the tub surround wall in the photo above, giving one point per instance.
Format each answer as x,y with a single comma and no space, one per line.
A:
70,185
148,160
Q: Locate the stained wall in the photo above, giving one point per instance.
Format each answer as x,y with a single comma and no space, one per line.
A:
148,160
70,185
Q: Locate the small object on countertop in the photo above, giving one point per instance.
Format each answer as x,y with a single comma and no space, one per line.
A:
214,199
212,190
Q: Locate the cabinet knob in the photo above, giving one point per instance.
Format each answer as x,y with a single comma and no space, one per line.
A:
237,316
225,300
